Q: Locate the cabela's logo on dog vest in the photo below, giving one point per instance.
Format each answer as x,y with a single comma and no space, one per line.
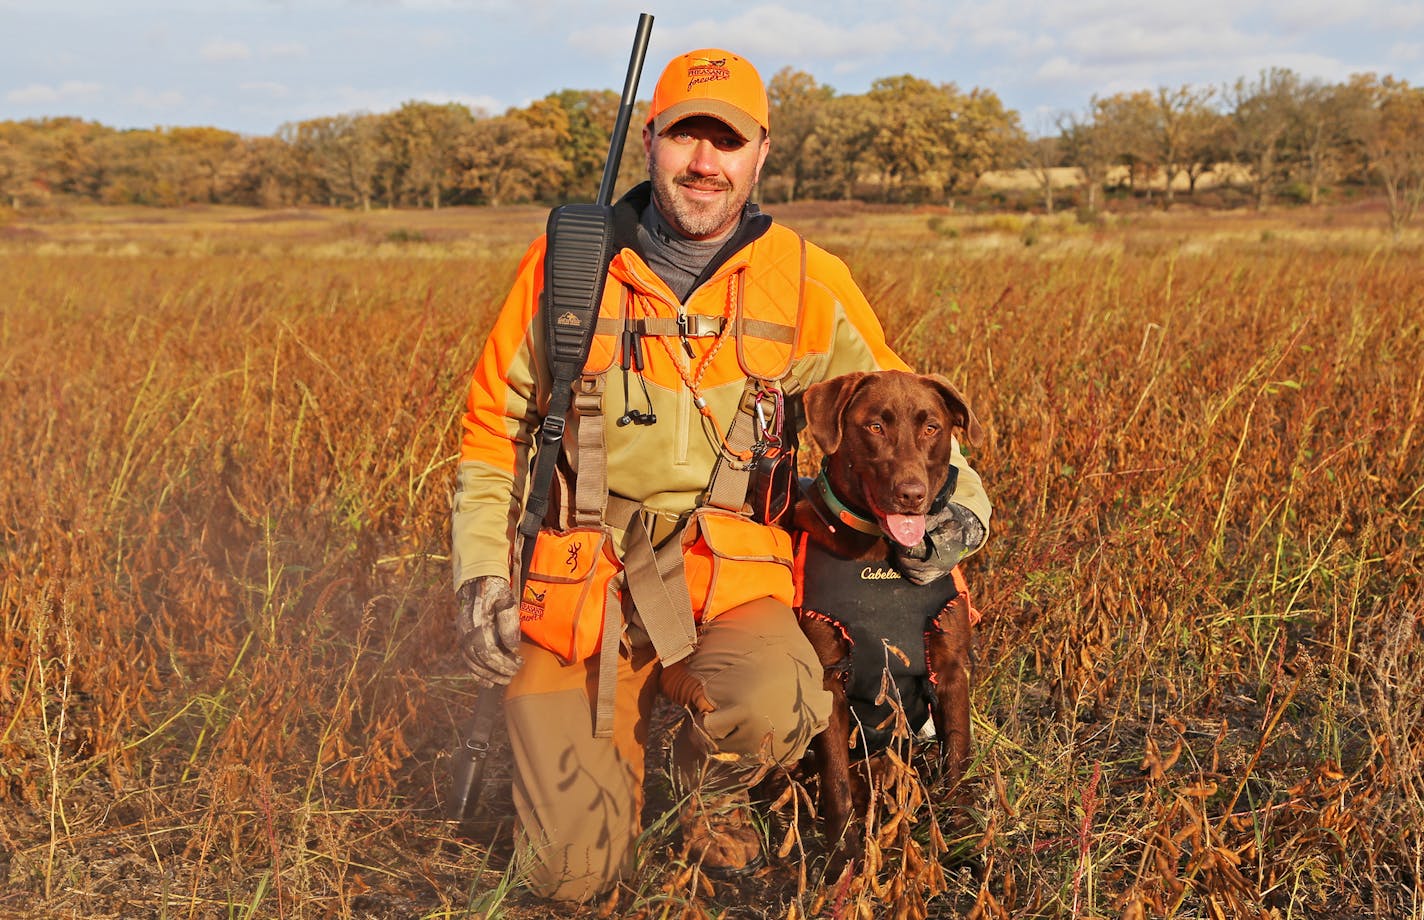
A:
876,609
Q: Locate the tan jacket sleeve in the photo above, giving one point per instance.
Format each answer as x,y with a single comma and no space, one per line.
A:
501,413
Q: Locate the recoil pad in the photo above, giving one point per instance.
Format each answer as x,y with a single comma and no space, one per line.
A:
576,256
580,245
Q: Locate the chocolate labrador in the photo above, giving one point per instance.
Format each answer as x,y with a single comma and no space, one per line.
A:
886,438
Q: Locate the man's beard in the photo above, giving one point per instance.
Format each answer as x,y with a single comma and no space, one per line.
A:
694,219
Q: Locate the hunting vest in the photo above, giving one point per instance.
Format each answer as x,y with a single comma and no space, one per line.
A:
874,606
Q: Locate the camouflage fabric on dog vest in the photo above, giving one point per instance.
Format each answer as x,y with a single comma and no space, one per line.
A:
874,605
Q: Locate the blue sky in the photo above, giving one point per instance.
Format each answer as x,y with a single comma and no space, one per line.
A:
251,65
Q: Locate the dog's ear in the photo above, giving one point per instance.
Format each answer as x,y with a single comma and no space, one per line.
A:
958,406
825,404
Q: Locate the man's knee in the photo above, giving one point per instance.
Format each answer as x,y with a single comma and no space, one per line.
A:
765,680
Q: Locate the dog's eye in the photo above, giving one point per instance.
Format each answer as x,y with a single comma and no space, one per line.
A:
876,428
931,430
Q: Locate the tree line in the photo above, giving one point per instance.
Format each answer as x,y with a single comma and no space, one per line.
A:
904,140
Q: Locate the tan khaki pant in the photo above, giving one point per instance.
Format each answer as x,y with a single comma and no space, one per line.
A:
579,798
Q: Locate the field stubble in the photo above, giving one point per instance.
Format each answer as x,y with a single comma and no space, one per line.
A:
227,675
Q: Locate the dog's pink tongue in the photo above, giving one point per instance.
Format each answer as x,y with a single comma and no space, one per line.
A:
905,529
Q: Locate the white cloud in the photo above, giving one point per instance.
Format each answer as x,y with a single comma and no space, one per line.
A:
1107,44
285,50
44,94
765,32
1406,51
225,50
435,39
164,99
266,88
352,99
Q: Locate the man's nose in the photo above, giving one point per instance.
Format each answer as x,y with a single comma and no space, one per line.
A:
704,158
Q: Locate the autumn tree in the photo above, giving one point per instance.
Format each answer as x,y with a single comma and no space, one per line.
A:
269,173
1126,125
1207,134
422,140
1086,144
1041,156
908,144
1180,125
981,135
1390,132
839,143
342,152
1262,111
17,171
1320,132
198,162
511,157
67,151
798,103
581,135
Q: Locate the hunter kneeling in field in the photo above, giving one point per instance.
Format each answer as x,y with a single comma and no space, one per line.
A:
659,567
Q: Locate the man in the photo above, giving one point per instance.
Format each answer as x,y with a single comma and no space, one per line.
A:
696,268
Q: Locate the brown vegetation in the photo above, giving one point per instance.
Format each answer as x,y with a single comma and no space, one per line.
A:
227,686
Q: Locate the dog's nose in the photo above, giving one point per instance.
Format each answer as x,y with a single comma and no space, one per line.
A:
910,494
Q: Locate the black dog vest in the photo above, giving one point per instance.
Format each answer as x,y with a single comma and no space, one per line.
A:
873,605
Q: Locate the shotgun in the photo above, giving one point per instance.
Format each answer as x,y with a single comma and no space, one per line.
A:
580,245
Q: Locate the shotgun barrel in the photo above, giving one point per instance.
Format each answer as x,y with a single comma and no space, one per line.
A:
625,109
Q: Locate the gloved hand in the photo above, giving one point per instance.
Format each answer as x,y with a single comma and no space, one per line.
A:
680,685
488,628
949,535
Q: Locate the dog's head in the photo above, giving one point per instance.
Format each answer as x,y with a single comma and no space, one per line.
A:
887,440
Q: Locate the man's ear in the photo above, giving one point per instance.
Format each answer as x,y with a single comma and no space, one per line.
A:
761,156
825,404
957,405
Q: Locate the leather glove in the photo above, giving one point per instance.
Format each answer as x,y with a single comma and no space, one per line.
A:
680,685
949,536
488,628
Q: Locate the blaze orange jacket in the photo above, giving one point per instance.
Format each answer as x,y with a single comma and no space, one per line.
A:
666,465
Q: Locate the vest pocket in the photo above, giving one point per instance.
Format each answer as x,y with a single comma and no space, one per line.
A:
730,560
568,590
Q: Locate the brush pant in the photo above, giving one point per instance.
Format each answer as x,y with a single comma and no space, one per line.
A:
580,798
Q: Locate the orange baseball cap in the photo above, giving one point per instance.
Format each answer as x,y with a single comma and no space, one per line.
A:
711,82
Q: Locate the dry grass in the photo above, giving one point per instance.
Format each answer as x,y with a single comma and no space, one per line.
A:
226,683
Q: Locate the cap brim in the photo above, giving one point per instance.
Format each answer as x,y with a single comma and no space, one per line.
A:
739,121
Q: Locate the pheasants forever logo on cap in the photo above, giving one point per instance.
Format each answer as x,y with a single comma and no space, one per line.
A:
706,70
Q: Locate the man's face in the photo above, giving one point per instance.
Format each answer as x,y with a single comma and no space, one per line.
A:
702,172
